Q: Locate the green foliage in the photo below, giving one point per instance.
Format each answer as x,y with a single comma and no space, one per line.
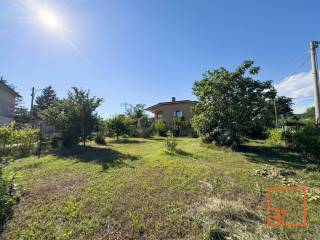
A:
7,190
118,126
134,112
275,136
309,113
99,139
170,143
144,126
46,99
284,106
229,103
161,127
306,140
179,124
22,115
55,140
259,126
17,141
74,117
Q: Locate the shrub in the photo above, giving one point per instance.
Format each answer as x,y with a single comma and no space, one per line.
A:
7,189
306,140
275,136
55,140
99,139
17,141
170,143
179,124
117,126
161,127
144,126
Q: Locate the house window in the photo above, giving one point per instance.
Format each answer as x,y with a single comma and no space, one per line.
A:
177,113
159,115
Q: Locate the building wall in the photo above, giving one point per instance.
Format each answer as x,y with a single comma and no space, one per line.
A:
169,109
7,103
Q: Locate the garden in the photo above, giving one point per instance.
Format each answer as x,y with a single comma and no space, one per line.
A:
129,177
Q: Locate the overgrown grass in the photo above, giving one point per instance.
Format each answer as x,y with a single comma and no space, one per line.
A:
132,189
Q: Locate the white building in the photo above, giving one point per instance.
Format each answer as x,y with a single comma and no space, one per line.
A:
7,102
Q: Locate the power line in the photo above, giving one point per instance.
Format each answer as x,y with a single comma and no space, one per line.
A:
306,59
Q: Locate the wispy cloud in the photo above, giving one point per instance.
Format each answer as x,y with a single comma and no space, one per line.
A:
299,87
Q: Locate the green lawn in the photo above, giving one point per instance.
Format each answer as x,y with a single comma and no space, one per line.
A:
133,190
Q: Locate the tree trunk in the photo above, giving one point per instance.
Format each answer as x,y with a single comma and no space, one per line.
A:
83,138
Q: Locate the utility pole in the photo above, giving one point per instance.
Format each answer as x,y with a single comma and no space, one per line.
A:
313,49
31,107
275,111
32,99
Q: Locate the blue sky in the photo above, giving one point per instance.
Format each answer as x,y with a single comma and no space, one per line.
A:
146,51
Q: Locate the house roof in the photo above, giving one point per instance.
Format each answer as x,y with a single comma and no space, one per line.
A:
169,103
10,89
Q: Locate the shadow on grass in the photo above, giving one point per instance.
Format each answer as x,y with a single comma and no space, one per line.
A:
183,153
155,138
126,141
273,155
106,157
217,234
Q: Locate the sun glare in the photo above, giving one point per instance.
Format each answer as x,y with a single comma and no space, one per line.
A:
50,20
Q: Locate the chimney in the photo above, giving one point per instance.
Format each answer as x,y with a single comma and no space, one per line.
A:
173,99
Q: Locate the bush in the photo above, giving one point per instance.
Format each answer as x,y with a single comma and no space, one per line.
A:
306,140
179,125
144,126
7,189
99,139
161,127
275,136
55,140
118,126
18,142
170,143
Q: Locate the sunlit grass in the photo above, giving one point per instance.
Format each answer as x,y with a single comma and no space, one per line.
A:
133,189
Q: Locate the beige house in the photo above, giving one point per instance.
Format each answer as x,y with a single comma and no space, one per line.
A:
7,102
168,110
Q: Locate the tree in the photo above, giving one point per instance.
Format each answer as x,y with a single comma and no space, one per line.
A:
46,99
161,127
83,107
309,113
267,120
117,126
179,124
73,117
134,112
284,106
144,126
22,116
229,102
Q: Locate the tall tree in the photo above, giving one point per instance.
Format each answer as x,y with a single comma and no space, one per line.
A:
74,117
134,111
46,99
229,102
22,115
284,106
118,126
84,108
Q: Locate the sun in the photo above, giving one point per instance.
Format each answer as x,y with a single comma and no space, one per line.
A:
49,20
